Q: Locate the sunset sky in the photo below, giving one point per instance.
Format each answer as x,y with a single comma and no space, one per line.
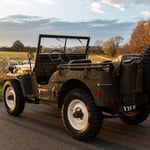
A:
100,19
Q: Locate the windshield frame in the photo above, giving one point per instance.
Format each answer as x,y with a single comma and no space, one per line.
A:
66,38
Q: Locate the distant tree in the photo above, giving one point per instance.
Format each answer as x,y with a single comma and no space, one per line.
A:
125,49
29,48
94,50
140,38
112,45
18,45
98,43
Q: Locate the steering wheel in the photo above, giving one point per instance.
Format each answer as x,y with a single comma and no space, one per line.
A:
59,59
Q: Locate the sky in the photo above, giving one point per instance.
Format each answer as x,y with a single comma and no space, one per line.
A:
24,20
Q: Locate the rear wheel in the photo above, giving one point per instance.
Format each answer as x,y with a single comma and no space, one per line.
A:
146,70
134,117
81,117
13,98
134,109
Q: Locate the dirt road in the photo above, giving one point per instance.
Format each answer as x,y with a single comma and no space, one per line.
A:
40,128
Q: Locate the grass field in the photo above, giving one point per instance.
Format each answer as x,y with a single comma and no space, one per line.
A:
13,55
5,56
99,58
19,56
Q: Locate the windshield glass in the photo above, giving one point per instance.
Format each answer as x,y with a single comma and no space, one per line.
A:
67,45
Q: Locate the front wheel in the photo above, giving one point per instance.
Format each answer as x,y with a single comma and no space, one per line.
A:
13,98
81,117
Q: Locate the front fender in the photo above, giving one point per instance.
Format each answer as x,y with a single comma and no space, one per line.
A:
26,82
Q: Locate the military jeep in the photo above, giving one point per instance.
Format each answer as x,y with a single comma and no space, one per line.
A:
85,92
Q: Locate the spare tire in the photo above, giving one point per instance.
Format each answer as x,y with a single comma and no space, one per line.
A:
146,70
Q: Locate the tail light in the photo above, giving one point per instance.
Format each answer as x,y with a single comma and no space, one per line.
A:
97,94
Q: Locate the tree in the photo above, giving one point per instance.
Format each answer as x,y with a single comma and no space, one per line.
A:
140,38
17,45
98,43
112,45
125,49
96,48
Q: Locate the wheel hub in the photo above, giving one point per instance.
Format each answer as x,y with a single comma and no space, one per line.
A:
78,113
10,97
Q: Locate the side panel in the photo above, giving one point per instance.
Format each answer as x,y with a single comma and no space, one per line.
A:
100,85
98,82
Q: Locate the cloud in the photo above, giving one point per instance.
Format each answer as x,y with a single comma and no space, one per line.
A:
51,2
27,28
115,4
96,7
146,13
119,4
141,2
27,2
15,2
20,18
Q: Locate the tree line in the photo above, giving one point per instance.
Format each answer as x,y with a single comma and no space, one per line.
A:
139,40
18,46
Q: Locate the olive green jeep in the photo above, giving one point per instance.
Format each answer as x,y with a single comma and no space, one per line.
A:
85,92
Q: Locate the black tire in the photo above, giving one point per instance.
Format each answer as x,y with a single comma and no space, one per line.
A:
81,117
13,98
146,70
134,118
